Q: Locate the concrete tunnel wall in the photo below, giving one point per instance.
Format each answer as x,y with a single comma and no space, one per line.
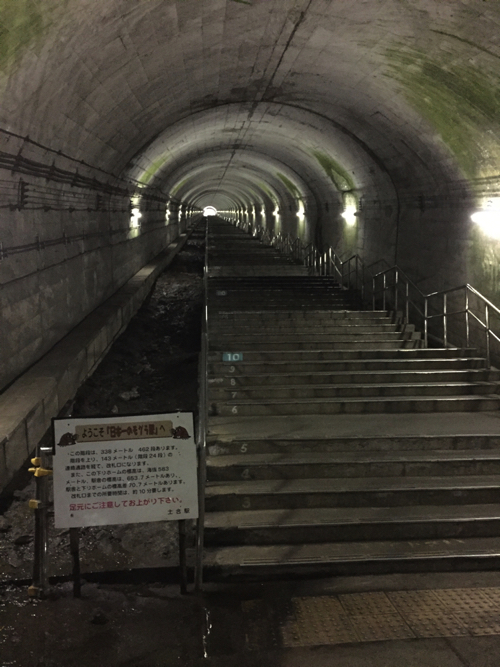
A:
251,106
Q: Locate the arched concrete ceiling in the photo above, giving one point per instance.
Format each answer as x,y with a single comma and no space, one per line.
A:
387,97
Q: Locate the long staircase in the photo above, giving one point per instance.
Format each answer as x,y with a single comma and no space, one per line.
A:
337,443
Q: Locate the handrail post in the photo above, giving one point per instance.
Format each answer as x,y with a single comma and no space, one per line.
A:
384,287
407,302
396,285
373,293
467,323
426,322
487,322
445,319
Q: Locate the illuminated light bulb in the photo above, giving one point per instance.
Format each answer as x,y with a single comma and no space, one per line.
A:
301,213
134,218
349,215
489,218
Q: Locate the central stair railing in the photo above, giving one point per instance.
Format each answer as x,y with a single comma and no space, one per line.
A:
392,289
201,435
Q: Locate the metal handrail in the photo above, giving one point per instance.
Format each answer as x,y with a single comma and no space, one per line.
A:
201,434
444,313
352,273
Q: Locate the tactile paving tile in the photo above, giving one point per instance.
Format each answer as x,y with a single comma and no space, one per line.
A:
327,604
426,614
476,609
378,627
318,621
416,601
367,603
359,617
492,594
467,599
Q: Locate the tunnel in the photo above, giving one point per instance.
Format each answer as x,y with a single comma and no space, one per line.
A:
368,126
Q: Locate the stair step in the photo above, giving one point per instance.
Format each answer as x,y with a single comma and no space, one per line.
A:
327,361
358,405
342,326
349,557
358,377
352,492
341,524
347,344
371,354
341,391
321,338
309,465
218,446
284,316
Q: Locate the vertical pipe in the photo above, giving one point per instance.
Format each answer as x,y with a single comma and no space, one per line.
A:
384,287
39,585
182,556
74,547
373,293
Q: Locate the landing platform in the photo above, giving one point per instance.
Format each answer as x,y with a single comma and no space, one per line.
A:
342,426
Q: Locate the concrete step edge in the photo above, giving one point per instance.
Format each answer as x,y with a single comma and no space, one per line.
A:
305,517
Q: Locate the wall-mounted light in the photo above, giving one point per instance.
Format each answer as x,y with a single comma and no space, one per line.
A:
209,211
488,218
135,212
301,212
350,208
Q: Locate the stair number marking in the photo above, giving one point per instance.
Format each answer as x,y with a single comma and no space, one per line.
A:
234,410
221,292
244,447
233,382
232,356
246,474
246,504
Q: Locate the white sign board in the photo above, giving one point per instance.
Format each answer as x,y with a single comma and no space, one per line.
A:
117,470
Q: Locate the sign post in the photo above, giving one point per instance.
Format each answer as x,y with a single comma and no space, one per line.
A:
119,470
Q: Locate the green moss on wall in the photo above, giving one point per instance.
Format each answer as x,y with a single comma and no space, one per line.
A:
152,170
335,172
266,189
177,187
291,187
458,100
22,24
